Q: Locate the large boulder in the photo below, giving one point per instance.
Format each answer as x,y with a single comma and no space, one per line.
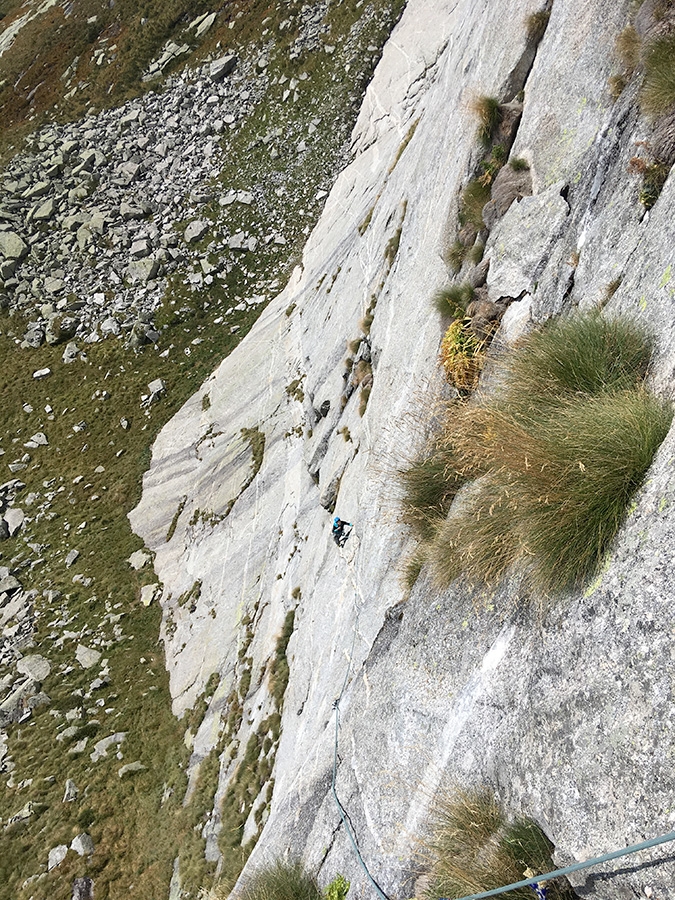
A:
195,231
12,246
222,67
140,271
36,667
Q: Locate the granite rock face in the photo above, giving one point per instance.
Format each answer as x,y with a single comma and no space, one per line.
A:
564,705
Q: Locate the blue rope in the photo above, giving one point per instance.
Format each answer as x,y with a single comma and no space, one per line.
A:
576,867
536,883
341,809
343,815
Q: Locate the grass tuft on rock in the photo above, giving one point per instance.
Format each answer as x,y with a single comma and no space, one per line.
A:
585,354
558,481
280,881
452,300
658,91
555,454
474,197
617,85
488,112
473,847
536,24
629,49
478,542
653,179
455,256
429,486
476,252
519,164
412,570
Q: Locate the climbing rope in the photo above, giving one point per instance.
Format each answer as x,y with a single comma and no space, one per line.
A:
336,706
537,882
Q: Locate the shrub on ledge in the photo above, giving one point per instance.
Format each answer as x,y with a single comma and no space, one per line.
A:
462,355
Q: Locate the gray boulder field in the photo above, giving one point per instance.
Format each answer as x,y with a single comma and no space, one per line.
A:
563,706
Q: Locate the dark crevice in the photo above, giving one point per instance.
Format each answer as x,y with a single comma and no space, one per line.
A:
386,636
484,167
521,71
328,849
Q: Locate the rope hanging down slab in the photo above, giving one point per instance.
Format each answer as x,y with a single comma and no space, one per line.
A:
336,707
527,882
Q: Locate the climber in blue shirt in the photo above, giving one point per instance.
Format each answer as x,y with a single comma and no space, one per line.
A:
341,531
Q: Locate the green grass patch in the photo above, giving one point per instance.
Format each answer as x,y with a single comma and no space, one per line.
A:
404,143
393,244
251,778
364,225
279,671
366,322
176,516
253,771
294,389
337,889
256,441
518,164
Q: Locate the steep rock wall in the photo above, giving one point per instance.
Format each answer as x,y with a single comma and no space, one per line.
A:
565,706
